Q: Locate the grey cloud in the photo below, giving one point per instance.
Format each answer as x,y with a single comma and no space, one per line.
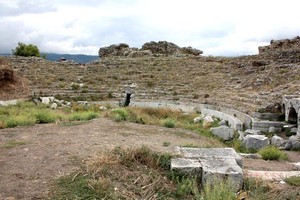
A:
26,7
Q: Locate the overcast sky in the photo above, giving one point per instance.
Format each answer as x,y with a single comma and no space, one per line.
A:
218,27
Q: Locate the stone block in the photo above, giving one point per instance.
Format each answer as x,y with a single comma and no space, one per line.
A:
252,132
223,132
186,166
210,169
220,168
265,125
273,129
256,141
199,153
277,141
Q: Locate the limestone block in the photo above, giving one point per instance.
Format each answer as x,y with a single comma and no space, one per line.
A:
47,100
215,168
53,106
223,132
186,166
223,123
199,153
273,129
256,141
252,132
277,141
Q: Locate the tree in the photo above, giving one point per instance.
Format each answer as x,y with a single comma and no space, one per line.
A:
26,50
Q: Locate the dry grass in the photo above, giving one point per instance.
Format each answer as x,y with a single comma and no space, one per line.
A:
123,174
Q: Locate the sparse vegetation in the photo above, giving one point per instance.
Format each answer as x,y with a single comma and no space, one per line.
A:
12,144
272,153
256,188
166,144
27,114
293,180
121,174
169,123
218,189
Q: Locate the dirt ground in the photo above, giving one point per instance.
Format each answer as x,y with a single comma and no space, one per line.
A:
48,151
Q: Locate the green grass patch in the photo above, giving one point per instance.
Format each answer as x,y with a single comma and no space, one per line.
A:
120,114
46,116
20,120
27,114
293,180
169,123
272,153
12,144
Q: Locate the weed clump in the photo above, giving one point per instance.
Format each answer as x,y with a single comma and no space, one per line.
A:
272,153
120,115
169,123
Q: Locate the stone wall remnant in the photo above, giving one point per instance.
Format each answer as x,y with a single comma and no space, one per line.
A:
287,50
161,48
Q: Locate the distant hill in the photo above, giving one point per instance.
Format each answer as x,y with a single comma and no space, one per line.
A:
79,58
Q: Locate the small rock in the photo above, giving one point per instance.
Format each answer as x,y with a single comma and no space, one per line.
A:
282,182
256,141
223,132
47,100
294,130
208,119
102,108
273,129
241,135
198,119
53,106
277,141
223,123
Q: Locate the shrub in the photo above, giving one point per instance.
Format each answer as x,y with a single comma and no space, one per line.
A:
120,115
75,86
272,153
45,116
26,50
169,123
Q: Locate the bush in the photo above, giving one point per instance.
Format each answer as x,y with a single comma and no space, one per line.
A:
120,115
26,50
45,116
272,153
169,123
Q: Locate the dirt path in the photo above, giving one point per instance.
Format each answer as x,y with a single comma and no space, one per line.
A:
50,151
